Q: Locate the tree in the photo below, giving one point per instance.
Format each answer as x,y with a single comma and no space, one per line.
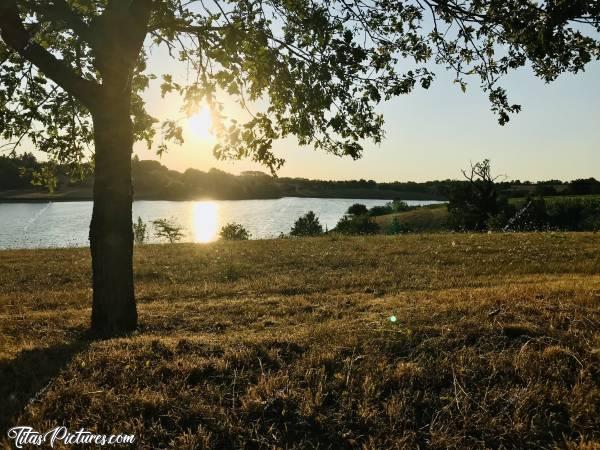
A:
362,224
307,225
73,73
234,232
473,203
139,231
358,209
584,186
165,228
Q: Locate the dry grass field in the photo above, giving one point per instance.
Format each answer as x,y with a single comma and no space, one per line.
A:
425,219
289,344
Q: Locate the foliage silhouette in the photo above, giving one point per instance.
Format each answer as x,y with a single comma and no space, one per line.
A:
167,228
307,225
140,233
357,209
471,205
234,232
362,224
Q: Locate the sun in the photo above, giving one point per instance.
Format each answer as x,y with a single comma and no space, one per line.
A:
200,124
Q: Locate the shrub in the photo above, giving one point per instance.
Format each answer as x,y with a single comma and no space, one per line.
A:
140,233
400,206
390,208
307,225
568,214
532,217
575,214
381,210
357,209
362,224
397,227
591,223
165,228
234,232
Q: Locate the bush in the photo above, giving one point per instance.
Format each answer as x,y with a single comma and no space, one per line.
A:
591,223
400,206
357,209
574,214
390,208
531,217
307,225
381,210
140,234
397,227
234,232
568,214
362,224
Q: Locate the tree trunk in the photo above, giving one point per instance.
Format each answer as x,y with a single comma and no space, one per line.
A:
111,235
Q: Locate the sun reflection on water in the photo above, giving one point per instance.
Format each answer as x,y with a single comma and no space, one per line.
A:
206,217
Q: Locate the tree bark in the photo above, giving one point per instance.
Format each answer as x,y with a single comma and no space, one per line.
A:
111,236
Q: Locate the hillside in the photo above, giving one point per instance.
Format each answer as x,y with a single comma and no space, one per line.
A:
431,218
463,341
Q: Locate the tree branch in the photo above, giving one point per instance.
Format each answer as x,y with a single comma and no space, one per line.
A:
60,11
15,35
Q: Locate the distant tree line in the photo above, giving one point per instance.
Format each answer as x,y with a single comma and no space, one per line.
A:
480,204
152,180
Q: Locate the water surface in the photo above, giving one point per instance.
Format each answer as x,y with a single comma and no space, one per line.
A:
65,224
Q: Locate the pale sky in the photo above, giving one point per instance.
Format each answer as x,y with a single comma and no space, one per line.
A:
433,134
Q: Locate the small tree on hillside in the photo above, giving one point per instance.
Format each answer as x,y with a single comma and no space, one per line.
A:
358,209
473,203
307,225
401,206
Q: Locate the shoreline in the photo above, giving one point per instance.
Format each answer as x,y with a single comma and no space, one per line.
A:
48,199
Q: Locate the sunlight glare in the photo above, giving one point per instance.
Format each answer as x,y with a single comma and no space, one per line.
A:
200,124
205,222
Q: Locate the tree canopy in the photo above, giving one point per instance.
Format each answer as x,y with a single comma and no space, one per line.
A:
321,66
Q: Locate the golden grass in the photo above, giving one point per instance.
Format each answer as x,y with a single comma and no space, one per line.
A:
288,344
430,218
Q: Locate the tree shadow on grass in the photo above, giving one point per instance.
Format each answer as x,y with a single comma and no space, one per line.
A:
27,376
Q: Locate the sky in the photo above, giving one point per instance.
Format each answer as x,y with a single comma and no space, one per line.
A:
433,134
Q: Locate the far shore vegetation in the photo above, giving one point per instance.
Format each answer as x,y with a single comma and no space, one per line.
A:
477,205
23,178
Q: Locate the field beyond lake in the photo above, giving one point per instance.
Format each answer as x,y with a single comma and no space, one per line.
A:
411,341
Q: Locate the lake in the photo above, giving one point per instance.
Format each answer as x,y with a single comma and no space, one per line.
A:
65,224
